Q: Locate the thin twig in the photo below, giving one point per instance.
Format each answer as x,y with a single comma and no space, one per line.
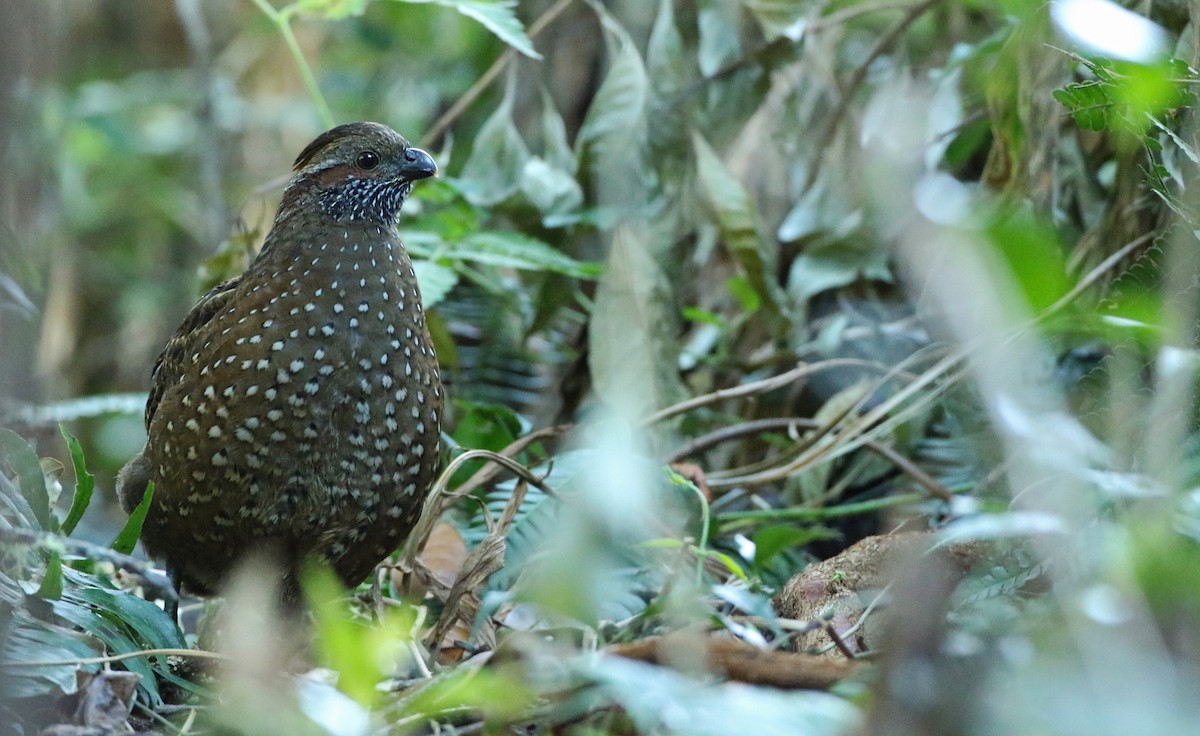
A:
858,431
755,387
862,619
485,474
433,506
778,424
837,640
195,653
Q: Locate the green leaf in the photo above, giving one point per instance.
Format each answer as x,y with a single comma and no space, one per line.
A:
1088,102
124,622
834,264
495,15
772,540
741,290
514,250
492,692
51,587
15,453
1034,255
340,641
85,483
554,192
486,426
146,622
128,538
556,149
736,219
498,155
666,62
717,23
10,495
702,316
725,559
32,640
632,355
748,601
436,281
612,139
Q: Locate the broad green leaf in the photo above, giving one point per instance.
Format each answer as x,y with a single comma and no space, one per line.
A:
128,537
85,482
748,601
18,510
483,426
612,140
16,454
718,28
495,15
746,295
1034,255
147,623
833,264
666,62
827,211
32,640
548,181
514,250
436,281
726,560
498,155
632,351
492,692
123,622
736,218
556,148
554,192
771,540
486,426
341,642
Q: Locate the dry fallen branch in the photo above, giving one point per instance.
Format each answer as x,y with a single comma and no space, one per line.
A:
741,662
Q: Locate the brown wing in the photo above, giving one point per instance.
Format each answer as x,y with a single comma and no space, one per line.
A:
172,360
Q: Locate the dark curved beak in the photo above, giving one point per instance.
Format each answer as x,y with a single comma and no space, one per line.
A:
417,165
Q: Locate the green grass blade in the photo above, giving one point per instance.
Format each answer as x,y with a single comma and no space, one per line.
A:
51,588
127,539
85,482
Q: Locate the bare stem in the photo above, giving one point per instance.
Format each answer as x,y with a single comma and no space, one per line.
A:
282,22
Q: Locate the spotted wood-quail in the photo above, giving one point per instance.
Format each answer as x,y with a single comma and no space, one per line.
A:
297,408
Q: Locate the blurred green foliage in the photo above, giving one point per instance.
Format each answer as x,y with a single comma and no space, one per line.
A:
756,250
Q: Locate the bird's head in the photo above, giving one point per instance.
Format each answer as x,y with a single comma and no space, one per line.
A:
358,172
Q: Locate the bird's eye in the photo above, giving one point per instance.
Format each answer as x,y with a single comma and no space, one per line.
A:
368,160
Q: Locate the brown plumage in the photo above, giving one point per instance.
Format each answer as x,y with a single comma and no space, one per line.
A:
297,408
